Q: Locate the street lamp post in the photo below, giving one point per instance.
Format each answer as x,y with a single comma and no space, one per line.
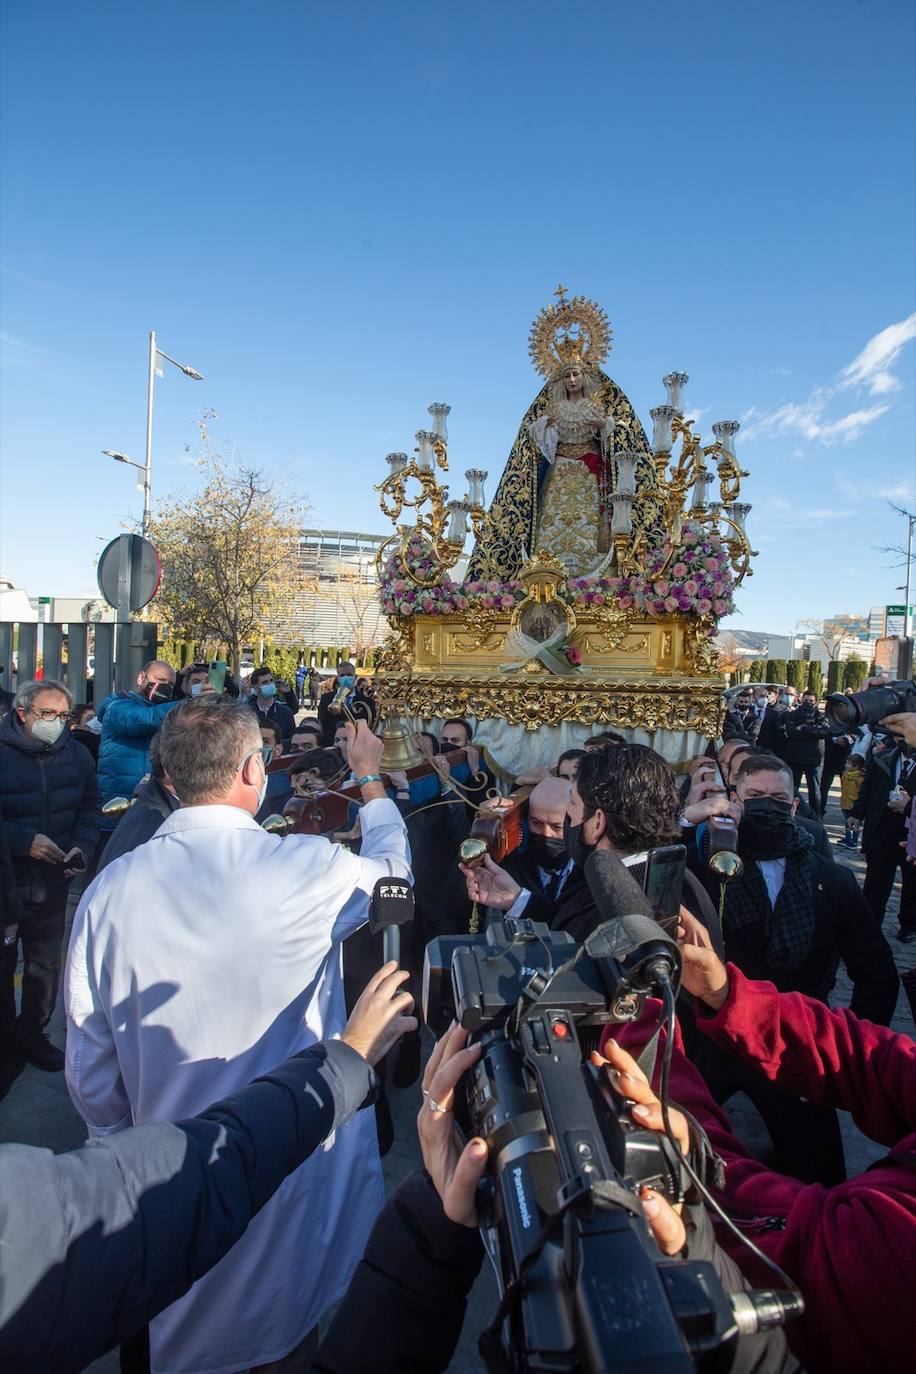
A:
147,467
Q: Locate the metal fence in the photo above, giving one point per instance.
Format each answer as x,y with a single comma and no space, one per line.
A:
107,655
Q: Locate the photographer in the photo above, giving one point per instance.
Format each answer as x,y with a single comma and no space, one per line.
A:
425,1251
99,1240
880,811
806,730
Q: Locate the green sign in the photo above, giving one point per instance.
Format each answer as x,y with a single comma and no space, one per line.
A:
46,601
897,610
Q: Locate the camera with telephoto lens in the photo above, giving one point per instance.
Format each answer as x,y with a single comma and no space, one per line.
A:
583,1284
869,708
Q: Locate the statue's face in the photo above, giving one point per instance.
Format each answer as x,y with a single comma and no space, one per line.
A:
573,381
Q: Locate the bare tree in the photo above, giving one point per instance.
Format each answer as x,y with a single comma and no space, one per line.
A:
357,598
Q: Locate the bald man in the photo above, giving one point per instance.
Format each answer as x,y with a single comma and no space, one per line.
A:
539,877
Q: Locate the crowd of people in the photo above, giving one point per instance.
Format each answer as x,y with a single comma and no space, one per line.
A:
231,1024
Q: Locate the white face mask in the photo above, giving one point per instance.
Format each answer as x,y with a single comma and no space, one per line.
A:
263,791
47,730
95,725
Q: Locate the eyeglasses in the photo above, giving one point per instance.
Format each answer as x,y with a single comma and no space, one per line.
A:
49,715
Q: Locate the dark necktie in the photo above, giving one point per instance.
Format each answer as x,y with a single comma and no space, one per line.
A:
552,890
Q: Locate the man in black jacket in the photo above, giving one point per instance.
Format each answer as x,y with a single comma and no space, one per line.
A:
49,800
772,735
623,799
153,801
881,810
806,730
266,704
98,1241
789,919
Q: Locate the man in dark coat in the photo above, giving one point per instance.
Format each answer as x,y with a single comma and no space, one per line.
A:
806,730
361,706
772,735
789,919
268,705
153,801
49,801
881,809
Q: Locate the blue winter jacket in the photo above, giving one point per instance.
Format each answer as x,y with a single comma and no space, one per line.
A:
129,722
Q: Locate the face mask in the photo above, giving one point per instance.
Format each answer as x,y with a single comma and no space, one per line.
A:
95,725
766,828
347,681
47,730
548,853
576,847
196,688
267,754
783,701
157,692
267,689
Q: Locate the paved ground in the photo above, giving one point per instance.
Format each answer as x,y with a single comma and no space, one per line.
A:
37,1111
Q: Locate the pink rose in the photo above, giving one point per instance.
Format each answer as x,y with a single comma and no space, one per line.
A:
626,600
671,603
679,570
691,587
688,538
488,601
712,564
599,598
704,605
406,608
507,602
662,586
720,607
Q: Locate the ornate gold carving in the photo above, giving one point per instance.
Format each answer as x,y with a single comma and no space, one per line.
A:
575,331
699,647
538,699
427,643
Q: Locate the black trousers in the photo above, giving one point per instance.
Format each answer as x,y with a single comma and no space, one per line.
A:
42,935
812,774
807,1143
883,859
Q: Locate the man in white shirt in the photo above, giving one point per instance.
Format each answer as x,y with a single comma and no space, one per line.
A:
201,960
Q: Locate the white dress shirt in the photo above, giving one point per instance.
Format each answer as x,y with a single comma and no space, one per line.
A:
197,962
774,875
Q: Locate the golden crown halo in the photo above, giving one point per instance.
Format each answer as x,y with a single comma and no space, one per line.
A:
572,331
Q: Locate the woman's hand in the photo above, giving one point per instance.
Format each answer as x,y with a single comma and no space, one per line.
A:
703,972
455,1172
629,1081
381,1015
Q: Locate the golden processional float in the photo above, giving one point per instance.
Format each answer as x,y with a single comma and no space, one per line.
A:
598,572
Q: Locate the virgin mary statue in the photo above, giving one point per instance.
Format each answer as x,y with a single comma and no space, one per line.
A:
554,494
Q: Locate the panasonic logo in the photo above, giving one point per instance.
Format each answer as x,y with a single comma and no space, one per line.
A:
522,1201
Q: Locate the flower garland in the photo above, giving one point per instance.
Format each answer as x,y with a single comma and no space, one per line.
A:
698,580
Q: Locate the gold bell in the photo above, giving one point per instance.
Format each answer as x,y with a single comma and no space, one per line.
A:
473,851
277,824
398,749
726,864
117,806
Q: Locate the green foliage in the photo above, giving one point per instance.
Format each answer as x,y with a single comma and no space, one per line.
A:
779,670
758,668
834,676
815,681
796,673
855,671
177,652
769,673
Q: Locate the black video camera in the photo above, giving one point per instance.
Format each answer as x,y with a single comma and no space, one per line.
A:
869,708
584,1286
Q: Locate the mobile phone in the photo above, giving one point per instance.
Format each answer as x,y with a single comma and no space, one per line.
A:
663,883
216,675
77,863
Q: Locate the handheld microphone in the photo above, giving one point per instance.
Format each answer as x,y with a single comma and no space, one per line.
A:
392,905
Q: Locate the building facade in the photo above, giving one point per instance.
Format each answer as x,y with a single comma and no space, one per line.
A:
338,603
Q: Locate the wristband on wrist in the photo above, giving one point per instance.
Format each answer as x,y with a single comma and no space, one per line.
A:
370,777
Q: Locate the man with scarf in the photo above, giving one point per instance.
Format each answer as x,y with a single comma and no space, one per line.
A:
789,919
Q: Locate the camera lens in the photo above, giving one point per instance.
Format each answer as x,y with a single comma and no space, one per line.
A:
843,711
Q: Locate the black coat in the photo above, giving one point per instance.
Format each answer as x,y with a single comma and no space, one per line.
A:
96,1242
881,827
844,928
806,729
363,708
772,736
153,803
46,789
277,714
11,912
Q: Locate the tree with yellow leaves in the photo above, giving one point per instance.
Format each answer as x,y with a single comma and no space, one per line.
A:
229,554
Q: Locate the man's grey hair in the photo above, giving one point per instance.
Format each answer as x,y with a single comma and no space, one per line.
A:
25,697
201,745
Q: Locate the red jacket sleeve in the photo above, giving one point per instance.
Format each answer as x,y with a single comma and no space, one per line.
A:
826,1055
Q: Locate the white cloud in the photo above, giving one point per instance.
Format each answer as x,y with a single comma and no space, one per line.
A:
810,418
872,367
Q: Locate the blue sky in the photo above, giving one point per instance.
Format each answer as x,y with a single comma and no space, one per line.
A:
338,214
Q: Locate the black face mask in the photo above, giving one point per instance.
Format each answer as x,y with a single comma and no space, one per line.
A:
576,847
158,692
766,828
549,854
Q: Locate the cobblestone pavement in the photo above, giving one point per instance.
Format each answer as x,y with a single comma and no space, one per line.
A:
37,1111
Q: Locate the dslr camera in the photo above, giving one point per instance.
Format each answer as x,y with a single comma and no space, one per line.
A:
869,708
583,1284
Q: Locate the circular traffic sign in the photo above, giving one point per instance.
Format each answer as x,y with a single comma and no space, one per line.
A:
132,563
